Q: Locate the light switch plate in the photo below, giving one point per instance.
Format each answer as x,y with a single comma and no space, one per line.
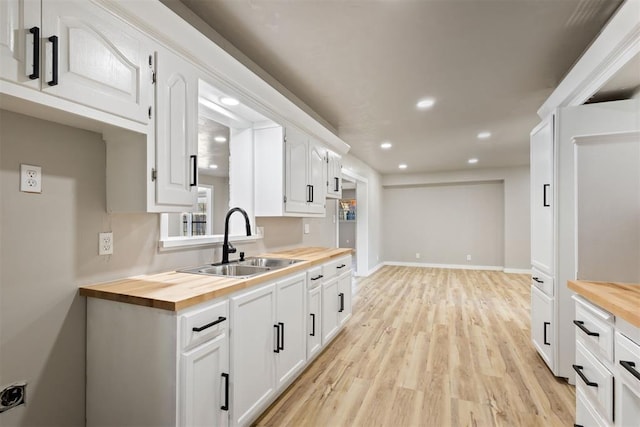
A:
30,179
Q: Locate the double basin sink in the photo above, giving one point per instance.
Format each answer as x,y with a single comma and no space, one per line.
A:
242,269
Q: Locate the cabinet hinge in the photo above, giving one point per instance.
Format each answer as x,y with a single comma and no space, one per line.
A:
149,112
153,78
154,174
285,199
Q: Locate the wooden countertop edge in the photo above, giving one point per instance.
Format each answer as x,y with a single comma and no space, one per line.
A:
226,289
607,296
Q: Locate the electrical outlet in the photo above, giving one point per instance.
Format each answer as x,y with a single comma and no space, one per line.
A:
468,257
306,229
105,243
30,179
12,396
417,255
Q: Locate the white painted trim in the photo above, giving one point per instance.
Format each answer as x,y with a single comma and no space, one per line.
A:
517,270
373,270
362,223
180,242
618,42
450,266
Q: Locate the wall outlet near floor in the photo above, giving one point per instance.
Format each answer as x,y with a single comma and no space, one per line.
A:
306,229
468,257
12,396
105,243
417,255
30,179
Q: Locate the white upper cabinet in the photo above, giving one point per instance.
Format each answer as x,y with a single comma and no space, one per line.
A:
334,175
290,172
542,187
78,51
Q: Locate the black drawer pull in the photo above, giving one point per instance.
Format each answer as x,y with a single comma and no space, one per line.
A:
544,195
319,276
208,325
544,338
629,366
578,370
341,266
337,184
341,296
537,280
313,325
578,425
54,61
36,53
277,349
281,345
225,407
194,171
580,324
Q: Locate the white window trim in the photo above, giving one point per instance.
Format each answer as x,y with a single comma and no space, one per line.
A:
180,242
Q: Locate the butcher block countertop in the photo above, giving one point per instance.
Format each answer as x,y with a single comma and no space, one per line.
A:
175,291
620,299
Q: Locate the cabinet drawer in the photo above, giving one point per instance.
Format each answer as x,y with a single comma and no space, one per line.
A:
336,267
594,329
542,281
202,324
628,363
595,381
586,415
315,277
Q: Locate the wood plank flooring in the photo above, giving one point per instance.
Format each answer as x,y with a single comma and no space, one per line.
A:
430,347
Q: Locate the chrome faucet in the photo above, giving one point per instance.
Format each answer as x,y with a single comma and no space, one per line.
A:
227,248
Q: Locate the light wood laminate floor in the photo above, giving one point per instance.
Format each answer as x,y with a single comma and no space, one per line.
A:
430,347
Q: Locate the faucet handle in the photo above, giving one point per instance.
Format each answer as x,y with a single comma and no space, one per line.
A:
231,249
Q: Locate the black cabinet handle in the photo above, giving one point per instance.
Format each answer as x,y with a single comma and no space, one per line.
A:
194,171
337,184
308,193
313,325
629,366
277,349
578,370
578,425
319,276
281,346
580,324
36,53
54,61
341,296
544,195
544,339
341,266
535,279
312,193
225,407
208,325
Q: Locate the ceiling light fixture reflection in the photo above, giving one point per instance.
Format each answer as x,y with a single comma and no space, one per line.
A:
425,103
227,100
220,139
484,135
402,166
385,145
472,161
212,166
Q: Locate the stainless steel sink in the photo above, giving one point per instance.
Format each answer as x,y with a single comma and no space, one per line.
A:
245,268
273,263
228,270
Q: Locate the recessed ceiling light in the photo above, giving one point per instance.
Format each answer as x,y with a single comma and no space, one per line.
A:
220,139
227,100
425,103
385,145
212,166
484,135
472,161
402,166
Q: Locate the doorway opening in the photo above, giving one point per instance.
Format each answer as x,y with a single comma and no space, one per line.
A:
347,218
352,225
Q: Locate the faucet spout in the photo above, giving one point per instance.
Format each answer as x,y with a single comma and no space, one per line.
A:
227,248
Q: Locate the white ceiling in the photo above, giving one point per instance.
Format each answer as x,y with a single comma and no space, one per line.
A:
362,66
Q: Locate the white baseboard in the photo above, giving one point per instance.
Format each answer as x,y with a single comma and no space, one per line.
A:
452,266
517,270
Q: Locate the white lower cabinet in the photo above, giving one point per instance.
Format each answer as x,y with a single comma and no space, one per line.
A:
290,315
330,306
542,329
344,297
627,371
314,312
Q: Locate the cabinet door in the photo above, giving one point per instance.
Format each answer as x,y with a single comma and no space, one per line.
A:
101,61
176,133
17,17
317,179
542,325
330,306
542,188
290,316
297,190
252,352
314,321
344,297
334,175
205,376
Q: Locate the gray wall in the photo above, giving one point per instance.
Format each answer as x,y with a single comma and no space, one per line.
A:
49,245
444,223
516,217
